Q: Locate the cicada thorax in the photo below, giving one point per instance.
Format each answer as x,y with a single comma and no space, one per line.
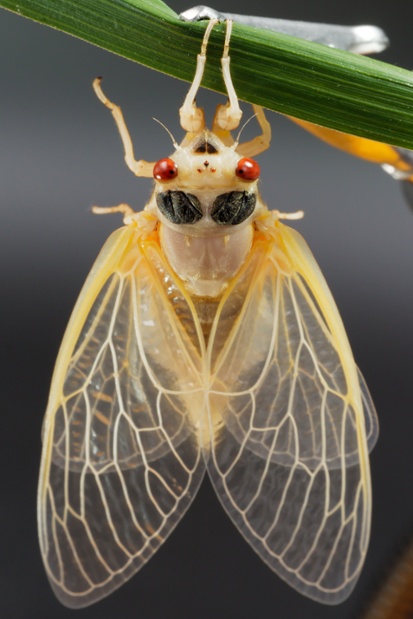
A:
206,200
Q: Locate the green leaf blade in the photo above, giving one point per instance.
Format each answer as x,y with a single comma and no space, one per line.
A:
329,87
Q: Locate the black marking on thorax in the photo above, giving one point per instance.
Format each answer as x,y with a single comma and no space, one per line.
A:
179,207
230,208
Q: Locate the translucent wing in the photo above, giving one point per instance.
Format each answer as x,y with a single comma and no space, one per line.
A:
121,457
289,459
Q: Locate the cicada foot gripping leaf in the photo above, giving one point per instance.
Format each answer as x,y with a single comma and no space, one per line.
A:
205,338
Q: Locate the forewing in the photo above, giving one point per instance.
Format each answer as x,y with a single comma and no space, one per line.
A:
121,456
289,458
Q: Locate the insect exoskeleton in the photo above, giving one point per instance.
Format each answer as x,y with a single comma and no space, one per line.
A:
206,199
205,339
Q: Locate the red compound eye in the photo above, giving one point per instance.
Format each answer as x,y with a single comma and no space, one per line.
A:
247,169
165,169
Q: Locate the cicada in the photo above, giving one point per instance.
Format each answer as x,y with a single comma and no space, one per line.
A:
205,339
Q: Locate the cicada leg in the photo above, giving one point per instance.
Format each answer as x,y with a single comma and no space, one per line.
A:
141,167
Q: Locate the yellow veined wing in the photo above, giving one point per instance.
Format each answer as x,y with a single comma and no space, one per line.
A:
273,403
294,422
121,456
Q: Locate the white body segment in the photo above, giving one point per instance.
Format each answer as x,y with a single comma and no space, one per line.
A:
206,263
205,339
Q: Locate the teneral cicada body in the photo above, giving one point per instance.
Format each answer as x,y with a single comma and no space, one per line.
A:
205,339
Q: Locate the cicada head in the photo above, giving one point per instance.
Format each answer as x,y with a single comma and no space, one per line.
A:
204,163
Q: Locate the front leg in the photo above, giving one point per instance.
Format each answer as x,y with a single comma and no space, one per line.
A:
141,167
261,142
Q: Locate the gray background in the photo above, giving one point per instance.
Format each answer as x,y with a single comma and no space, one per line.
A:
60,154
